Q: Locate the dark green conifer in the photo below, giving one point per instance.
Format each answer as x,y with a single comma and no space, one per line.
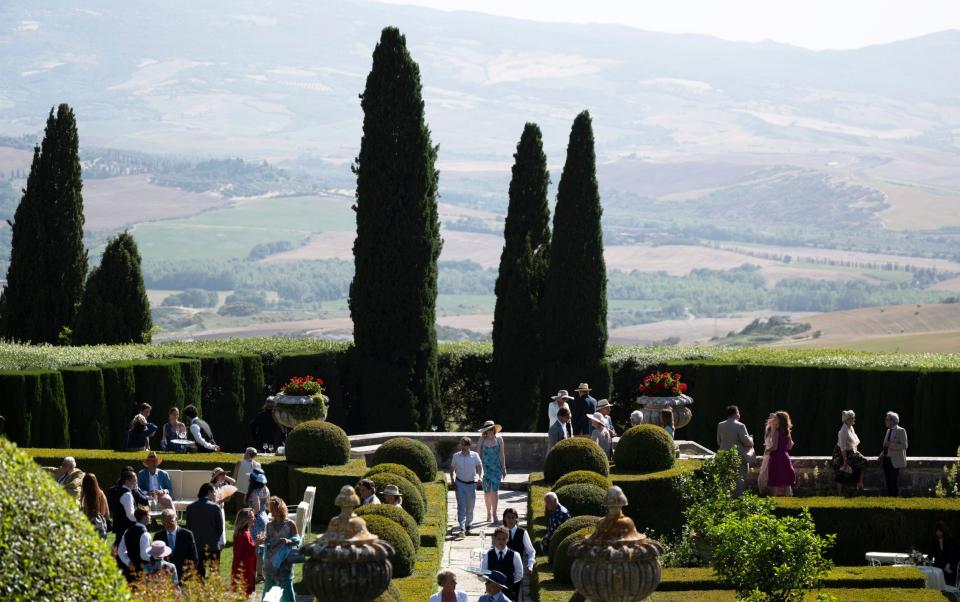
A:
48,261
115,308
574,307
394,289
517,356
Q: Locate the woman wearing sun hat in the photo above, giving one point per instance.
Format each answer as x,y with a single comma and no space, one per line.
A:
157,568
391,495
558,401
494,466
601,433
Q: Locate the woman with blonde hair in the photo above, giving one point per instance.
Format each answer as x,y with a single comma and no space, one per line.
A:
782,476
282,541
244,568
494,461
848,462
769,442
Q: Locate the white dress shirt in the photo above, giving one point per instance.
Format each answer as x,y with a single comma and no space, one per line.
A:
517,565
145,542
461,597
126,500
198,436
465,467
527,546
373,499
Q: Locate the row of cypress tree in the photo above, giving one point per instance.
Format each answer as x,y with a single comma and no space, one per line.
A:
550,319
48,297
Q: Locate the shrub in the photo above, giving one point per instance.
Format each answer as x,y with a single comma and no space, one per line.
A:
399,469
582,498
584,476
397,515
576,453
562,562
404,555
777,558
655,499
392,594
317,443
36,565
644,448
411,453
35,408
86,404
574,524
327,479
412,501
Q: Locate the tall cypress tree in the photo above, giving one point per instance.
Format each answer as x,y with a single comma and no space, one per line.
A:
48,262
394,290
574,307
115,308
517,355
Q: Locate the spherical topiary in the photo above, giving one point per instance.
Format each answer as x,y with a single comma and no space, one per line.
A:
412,502
401,470
576,453
397,515
570,526
562,562
48,549
584,476
645,448
404,555
413,454
582,498
317,443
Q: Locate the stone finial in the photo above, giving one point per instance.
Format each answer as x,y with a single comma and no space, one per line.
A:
347,527
615,528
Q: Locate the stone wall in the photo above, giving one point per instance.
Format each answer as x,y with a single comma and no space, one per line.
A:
815,475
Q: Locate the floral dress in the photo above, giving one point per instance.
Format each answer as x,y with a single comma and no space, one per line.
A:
492,470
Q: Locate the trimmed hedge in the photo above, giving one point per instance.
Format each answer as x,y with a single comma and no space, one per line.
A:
404,555
645,448
582,498
119,391
571,526
584,476
397,515
328,481
34,565
576,453
875,523
399,469
411,453
392,594
87,406
35,408
562,561
412,501
165,384
860,577
222,391
317,443
655,501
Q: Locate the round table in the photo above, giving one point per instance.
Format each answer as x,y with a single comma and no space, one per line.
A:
187,443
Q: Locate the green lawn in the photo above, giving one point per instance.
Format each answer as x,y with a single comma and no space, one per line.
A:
233,231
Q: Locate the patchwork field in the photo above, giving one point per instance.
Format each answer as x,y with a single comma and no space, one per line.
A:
112,203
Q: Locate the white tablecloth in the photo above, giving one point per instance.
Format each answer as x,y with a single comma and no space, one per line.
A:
934,576
876,558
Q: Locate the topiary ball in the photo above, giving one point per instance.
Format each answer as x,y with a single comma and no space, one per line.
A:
404,555
582,498
399,469
562,562
584,476
412,502
317,443
411,453
645,448
48,549
576,453
570,526
397,515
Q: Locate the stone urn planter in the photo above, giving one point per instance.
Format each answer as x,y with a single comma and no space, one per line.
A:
679,404
347,563
616,563
291,410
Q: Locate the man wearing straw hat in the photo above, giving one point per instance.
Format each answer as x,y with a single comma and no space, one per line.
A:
154,481
391,495
580,408
603,406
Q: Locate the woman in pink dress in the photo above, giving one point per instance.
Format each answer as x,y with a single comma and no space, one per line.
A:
782,475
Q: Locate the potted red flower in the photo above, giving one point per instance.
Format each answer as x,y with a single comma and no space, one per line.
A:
300,399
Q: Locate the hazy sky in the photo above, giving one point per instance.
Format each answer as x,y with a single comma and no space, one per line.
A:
815,24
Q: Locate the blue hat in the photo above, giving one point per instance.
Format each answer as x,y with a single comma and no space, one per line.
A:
497,578
258,476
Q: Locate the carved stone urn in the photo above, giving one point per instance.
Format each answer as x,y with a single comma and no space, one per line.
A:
653,406
347,563
291,410
616,563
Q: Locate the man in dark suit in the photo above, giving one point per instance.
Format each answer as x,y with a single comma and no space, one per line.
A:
205,520
179,540
582,406
560,429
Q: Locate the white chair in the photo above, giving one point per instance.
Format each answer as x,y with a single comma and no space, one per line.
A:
309,495
274,595
302,520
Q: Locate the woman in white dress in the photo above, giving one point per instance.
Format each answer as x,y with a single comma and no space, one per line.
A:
448,589
769,442
558,401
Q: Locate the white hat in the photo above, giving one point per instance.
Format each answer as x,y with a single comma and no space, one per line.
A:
598,417
604,403
158,549
561,394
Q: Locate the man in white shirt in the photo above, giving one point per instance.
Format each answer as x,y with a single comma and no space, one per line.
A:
199,428
502,558
561,429
368,492
465,468
519,540
136,538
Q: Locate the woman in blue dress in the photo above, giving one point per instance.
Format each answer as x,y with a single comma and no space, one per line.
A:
494,466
